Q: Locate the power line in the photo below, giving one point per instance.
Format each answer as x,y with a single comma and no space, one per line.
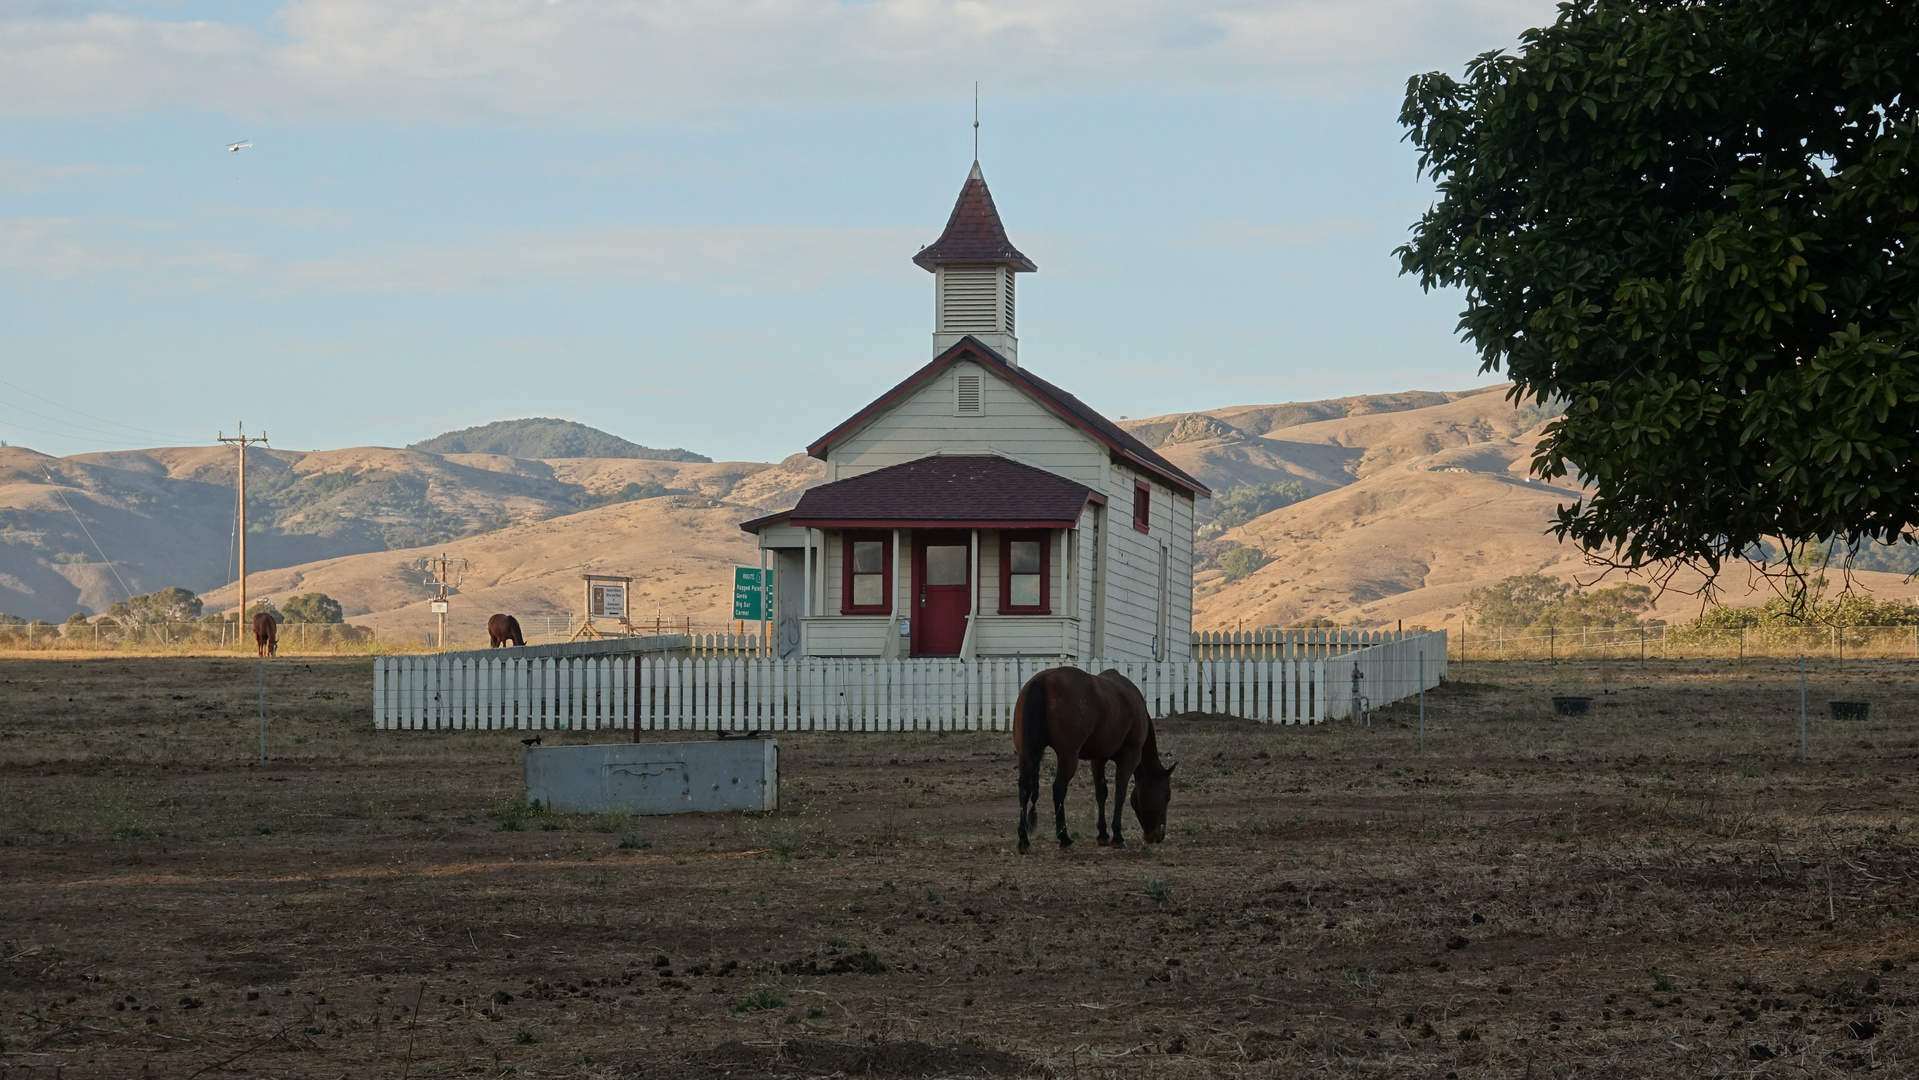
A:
114,435
63,434
89,533
90,416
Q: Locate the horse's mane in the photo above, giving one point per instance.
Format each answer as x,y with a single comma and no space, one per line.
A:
1150,753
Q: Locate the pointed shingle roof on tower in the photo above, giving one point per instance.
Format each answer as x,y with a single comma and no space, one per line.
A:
974,233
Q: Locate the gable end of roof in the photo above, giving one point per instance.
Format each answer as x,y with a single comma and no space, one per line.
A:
1069,408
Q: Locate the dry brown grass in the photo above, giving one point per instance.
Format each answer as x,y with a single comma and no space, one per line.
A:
1651,891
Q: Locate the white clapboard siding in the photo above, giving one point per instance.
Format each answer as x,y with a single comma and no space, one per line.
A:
745,691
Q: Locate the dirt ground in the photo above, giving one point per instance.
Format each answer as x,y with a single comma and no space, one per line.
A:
1658,889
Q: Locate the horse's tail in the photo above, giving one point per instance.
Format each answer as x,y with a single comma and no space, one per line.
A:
1032,749
1033,723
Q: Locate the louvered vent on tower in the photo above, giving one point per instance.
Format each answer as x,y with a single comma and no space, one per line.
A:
1009,299
966,395
970,299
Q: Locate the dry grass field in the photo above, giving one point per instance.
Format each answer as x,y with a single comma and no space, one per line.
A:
1661,889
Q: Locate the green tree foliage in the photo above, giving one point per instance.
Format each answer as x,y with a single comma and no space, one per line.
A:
1696,223
1237,506
312,608
1808,605
163,605
1526,602
258,606
11,620
586,500
1242,561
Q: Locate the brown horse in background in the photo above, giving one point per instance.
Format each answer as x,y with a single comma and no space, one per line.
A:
504,629
1092,718
266,634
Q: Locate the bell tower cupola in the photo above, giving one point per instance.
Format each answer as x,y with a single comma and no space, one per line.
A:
973,264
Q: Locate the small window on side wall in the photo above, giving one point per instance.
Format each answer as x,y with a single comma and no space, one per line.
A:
1142,508
866,579
1025,573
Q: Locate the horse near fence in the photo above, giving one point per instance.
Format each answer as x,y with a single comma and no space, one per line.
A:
266,635
1097,719
503,629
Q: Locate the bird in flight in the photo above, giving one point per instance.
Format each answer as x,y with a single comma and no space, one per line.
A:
234,148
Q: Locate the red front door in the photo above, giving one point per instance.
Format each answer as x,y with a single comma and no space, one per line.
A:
942,587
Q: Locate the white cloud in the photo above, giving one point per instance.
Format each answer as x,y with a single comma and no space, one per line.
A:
22,177
674,59
765,258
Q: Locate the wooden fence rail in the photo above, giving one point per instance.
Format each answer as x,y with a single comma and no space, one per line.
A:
709,691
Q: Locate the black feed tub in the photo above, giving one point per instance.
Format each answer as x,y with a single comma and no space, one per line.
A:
1849,710
1572,706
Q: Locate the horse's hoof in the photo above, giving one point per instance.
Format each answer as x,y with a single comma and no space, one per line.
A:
1103,841
1118,843
1024,847
1065,841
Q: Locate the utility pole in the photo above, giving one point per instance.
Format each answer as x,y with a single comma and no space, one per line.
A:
241,440
443,573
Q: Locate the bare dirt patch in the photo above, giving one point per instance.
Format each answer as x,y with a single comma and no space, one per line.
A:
1658,889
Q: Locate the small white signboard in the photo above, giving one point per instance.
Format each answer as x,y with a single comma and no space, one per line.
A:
607,602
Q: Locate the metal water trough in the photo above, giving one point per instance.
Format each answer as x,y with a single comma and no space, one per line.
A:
655,777
1849,710
1570,705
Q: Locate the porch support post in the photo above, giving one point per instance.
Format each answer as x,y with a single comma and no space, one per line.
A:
806,604
890,648
972,603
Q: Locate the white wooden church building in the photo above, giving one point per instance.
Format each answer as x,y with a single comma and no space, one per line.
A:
978,510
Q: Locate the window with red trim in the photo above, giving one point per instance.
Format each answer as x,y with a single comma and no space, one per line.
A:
1142,507
866,574
1025,573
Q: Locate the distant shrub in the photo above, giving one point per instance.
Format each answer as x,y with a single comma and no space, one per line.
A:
162,605
313,608
1808,606
1534,601
1242,561
1237,506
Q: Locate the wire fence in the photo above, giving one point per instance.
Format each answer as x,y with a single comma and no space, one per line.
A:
332,639
1686,642
190,637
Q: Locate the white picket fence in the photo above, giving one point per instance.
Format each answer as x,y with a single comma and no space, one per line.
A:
1296,644
494,690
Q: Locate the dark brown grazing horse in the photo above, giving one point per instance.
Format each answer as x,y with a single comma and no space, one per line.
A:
1098,719
266,634
502,629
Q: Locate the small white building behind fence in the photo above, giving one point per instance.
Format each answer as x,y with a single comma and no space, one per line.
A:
673,684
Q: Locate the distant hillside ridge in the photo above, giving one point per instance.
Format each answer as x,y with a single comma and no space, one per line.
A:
540,437
1157,431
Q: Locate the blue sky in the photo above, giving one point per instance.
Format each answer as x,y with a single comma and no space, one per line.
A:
689,222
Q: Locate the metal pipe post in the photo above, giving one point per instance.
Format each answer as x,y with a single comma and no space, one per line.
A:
1422,703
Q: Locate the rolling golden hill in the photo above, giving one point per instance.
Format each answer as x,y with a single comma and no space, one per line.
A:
1417,498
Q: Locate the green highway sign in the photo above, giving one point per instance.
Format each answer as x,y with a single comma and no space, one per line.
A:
748,594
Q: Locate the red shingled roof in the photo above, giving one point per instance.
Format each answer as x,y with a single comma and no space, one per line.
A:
974,233
1122,444
943,492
